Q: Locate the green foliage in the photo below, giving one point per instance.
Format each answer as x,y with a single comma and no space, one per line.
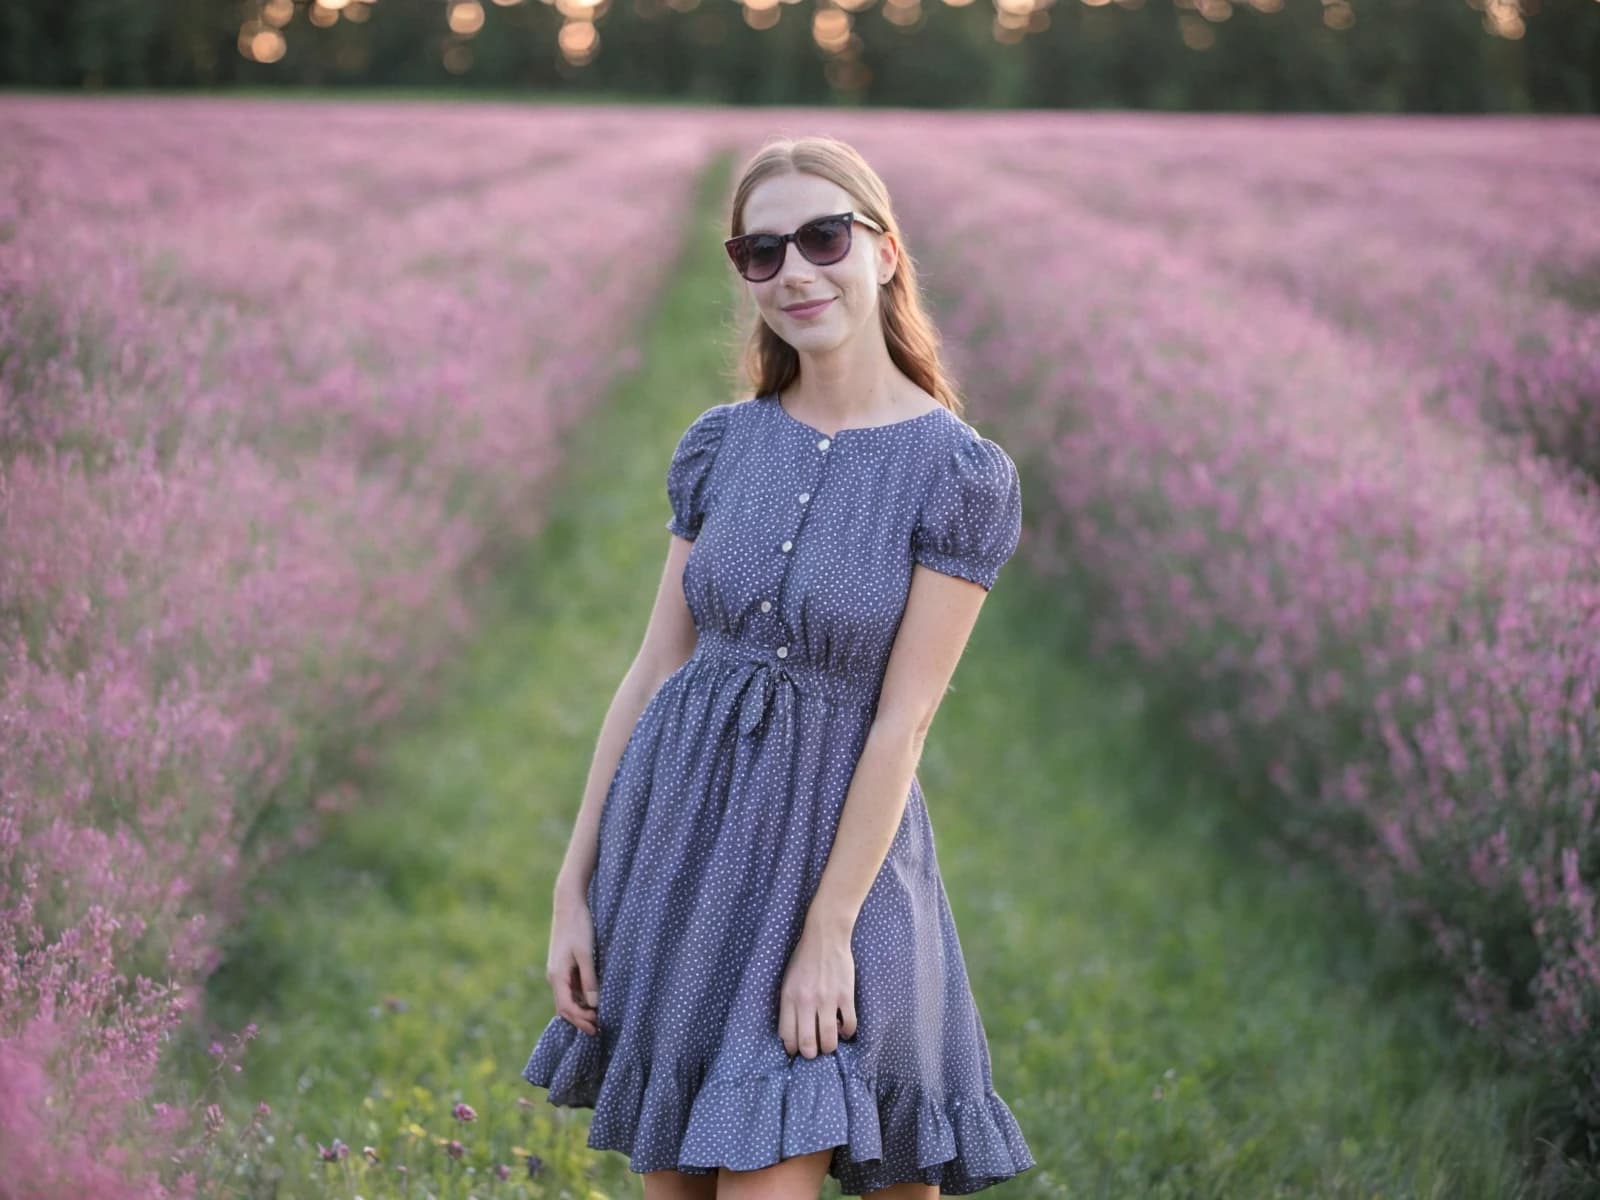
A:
1398,56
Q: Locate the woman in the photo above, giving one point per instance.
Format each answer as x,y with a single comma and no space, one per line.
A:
756,973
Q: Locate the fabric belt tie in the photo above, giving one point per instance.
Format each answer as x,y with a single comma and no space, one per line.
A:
759,688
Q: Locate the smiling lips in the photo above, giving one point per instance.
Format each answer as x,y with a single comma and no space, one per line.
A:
810,309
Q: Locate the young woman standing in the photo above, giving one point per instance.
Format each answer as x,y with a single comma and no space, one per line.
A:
756,973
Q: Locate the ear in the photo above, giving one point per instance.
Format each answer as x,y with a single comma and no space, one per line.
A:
888,257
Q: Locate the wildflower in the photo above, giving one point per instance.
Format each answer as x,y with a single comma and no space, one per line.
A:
333,1153
502,1172
535,1165
263,1109
371,1154
454,1148
464,1112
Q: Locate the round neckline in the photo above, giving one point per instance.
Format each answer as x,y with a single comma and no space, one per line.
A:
787,415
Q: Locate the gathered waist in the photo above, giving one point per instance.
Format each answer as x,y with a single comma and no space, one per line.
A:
764,670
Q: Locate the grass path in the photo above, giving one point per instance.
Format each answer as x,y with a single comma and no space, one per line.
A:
1168,1016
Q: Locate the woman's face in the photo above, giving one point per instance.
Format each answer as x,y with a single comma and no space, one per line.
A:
781,204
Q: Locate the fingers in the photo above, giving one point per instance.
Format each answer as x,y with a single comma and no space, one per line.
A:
806,1023
808,1034
566,985
797,1026
586,975
847,1020
806,1031
828,1033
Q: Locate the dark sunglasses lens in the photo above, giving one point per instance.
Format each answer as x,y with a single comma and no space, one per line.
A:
760,256
825,241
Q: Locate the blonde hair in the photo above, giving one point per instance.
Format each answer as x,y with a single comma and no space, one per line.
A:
765,361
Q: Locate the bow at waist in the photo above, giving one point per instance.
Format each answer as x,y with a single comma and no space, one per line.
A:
759,687
757,676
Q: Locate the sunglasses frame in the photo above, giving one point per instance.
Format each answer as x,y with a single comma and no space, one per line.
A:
850,218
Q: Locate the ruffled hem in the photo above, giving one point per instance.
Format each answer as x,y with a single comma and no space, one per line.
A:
675,1119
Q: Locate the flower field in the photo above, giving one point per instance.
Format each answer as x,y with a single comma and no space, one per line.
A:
278,379
1308,412
1244,357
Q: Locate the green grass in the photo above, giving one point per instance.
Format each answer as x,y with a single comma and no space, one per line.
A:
1169,1015
441,93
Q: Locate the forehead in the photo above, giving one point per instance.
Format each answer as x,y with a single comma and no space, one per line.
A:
783,202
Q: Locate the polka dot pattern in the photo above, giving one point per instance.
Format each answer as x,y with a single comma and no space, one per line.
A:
722,811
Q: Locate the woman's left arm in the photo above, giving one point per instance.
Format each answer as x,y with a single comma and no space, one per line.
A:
817,1001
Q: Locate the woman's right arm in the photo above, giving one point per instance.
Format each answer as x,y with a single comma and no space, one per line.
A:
669,640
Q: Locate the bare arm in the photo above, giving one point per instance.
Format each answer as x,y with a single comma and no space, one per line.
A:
940,613
669,639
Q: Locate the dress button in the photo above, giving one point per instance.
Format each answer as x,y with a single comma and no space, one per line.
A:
804,496
788,546
823,444
783,652
766,606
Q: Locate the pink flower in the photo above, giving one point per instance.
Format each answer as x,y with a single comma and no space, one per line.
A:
464,1112
333,1153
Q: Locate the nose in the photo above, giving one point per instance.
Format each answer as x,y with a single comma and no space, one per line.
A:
791,256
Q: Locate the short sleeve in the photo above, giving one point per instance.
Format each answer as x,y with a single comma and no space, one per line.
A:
689,473
971,520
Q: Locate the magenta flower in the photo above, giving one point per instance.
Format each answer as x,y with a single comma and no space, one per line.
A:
454,1148
211,502
1384,617
333,1153
464,1112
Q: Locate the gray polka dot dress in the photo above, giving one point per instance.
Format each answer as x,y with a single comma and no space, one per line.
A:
721,814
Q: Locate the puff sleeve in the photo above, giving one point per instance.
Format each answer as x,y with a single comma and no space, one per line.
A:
689,473
971,520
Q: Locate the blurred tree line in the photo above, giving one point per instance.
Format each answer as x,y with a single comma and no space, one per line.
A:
1390,55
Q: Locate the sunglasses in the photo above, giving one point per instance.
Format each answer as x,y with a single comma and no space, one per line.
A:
823,241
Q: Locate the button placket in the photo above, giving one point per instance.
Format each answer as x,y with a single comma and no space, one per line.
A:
786,547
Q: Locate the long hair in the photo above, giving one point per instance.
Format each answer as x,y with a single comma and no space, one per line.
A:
765,361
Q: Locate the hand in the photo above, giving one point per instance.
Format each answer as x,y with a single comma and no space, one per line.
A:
571,965
817,1002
